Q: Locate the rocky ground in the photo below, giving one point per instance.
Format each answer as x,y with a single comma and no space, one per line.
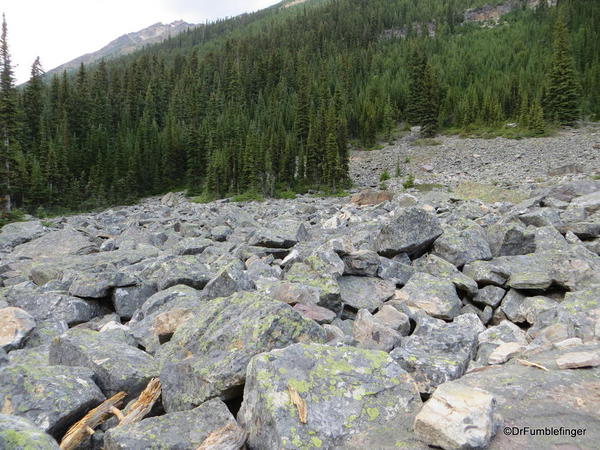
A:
395,320
453,160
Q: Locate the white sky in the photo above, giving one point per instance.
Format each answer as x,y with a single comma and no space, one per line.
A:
60,30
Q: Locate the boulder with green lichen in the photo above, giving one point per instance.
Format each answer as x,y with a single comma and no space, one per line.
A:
208,355
179,430
117,365
353,398
17,433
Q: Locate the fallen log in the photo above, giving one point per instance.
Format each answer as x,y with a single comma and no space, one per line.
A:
143,405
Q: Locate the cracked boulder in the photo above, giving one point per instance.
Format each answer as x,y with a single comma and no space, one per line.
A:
437,351
208,355
117,365
317,396
52,397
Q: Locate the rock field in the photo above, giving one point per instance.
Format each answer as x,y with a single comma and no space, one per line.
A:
392,320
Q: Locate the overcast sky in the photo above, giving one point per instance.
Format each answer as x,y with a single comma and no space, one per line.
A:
60,30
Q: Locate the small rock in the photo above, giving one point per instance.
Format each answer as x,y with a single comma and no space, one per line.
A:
372,334
576,360
394,319
371,197
504,352
317,313
458,417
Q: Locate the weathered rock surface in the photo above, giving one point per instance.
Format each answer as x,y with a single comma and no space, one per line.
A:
185,430
50,396
208,355
17,433
15,326
117,365
412,231
438,352
315,396
365,292
436,297
457,417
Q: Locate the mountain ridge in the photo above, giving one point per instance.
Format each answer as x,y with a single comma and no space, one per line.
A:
128,43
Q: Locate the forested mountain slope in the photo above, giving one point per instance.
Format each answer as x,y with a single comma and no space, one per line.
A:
267,102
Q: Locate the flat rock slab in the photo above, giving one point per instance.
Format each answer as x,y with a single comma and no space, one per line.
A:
52,397
185,430
529,396
54,244
117,365
317,396
208,355
577,360
17,433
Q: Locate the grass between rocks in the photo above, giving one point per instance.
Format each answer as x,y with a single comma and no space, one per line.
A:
488,193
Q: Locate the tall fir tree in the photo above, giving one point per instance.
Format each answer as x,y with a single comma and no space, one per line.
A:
8,122
430,103
562,96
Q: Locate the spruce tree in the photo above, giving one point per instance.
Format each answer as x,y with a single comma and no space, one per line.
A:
414,109
431,103
562,101
8,120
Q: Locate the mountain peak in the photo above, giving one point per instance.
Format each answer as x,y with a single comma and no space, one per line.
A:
128,43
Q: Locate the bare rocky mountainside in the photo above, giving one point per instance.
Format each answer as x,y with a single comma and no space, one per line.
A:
128,43
452,314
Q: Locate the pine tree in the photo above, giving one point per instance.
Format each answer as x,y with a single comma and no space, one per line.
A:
8,120
562,102
430,102
536,121
33,103
414,109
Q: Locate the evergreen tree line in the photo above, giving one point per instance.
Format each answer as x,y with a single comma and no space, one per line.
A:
269,102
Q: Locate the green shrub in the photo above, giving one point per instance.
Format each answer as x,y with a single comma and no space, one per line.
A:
384,176
409,182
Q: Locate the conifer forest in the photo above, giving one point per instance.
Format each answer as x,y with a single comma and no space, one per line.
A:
272,101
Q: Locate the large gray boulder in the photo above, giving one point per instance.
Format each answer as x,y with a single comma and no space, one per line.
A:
127,300
54,305
59,243
162,314
437,351
282,234
365,292
17,433
117,365
185,430
462,246
411,231
317,396
435,296
18,233
440,268
208,355
52,397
